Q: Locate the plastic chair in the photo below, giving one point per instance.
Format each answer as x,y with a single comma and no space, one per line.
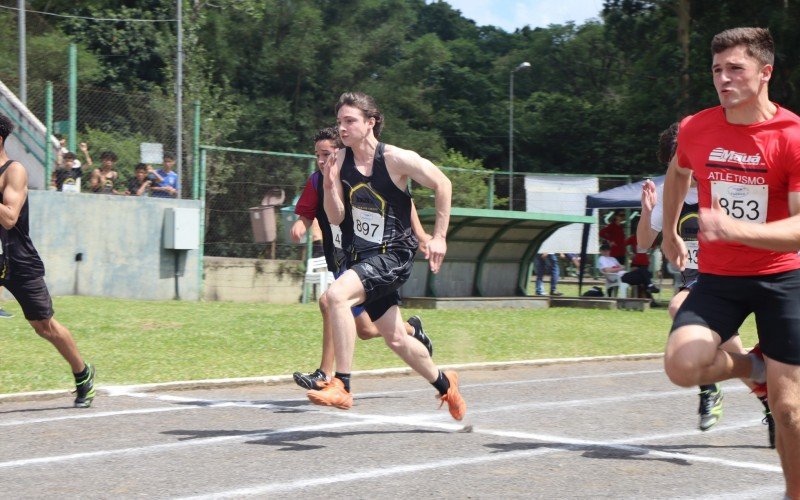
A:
316,274
615,284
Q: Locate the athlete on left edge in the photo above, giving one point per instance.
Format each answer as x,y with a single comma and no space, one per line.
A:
22,270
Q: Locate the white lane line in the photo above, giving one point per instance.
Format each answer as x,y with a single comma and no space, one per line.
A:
129,391
140,450
561,444
102,414
366,475
355,419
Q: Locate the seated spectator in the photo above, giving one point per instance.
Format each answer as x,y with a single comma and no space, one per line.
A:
104,179
573,263
637,276
143,178
168,186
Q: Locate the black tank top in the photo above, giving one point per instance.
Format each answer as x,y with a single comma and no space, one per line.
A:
22,259
332,244
688,227
380,212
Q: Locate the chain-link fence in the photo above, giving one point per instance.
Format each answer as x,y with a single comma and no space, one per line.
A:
114,122
249,202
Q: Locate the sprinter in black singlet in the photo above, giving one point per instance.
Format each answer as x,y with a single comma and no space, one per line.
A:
368,181
309,208
22,271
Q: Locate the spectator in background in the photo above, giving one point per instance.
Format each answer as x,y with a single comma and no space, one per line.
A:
105,178
638,276
168,186
541,263
66,172
614,234
573,263
143,178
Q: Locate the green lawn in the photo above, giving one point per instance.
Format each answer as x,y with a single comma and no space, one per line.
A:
143,341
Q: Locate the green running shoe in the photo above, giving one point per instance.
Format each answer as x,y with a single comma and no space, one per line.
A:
85,389
710,407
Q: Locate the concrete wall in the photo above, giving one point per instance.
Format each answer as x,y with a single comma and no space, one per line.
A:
253,280
120,243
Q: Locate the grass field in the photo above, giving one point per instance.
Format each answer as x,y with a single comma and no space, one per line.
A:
143,341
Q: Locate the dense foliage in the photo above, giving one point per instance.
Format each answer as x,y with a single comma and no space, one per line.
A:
269,71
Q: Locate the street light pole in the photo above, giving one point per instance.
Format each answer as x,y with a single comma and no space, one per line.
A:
511,133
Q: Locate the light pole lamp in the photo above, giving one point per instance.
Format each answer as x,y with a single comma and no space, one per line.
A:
511,133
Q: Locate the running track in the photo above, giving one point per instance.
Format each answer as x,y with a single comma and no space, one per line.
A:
600,429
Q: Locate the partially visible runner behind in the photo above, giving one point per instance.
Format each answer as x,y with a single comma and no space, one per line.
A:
745,156
366,190
22,271
650,225
310,207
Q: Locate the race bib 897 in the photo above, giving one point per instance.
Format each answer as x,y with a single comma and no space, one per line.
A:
368,225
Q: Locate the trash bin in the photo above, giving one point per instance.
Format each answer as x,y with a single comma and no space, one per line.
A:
262,217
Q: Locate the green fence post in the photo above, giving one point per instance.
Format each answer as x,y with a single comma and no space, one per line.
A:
202,198
72,139
48,131
196,152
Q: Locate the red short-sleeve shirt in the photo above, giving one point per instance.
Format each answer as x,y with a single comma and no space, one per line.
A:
751,169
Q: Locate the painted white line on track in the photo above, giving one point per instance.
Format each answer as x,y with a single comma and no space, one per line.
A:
101,414
114,390
202,403
180,444
366,475
561,444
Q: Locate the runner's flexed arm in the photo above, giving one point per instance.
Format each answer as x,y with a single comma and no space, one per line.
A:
676,185
14,193
403,163
780,235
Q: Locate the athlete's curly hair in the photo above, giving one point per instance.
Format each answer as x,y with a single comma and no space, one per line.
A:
328,134
6,127
668,143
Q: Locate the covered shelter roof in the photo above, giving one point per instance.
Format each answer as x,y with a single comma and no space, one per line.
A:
489,252
627,196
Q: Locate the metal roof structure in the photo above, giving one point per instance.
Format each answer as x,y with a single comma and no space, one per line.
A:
489,252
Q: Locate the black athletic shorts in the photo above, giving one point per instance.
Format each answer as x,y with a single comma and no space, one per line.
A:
382,275
722,303
33,297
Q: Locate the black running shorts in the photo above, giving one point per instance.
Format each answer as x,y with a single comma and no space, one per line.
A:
721,303
33,297
382,275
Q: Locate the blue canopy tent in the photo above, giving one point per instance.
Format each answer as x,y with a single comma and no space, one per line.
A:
627,196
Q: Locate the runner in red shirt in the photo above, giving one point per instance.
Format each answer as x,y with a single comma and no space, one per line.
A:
745,156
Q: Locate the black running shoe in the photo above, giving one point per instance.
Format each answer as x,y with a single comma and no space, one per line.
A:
769,422
84,389
313,381
419,333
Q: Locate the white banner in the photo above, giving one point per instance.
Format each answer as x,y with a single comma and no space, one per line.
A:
565,195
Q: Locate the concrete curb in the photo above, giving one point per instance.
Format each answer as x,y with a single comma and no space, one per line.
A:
112,390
